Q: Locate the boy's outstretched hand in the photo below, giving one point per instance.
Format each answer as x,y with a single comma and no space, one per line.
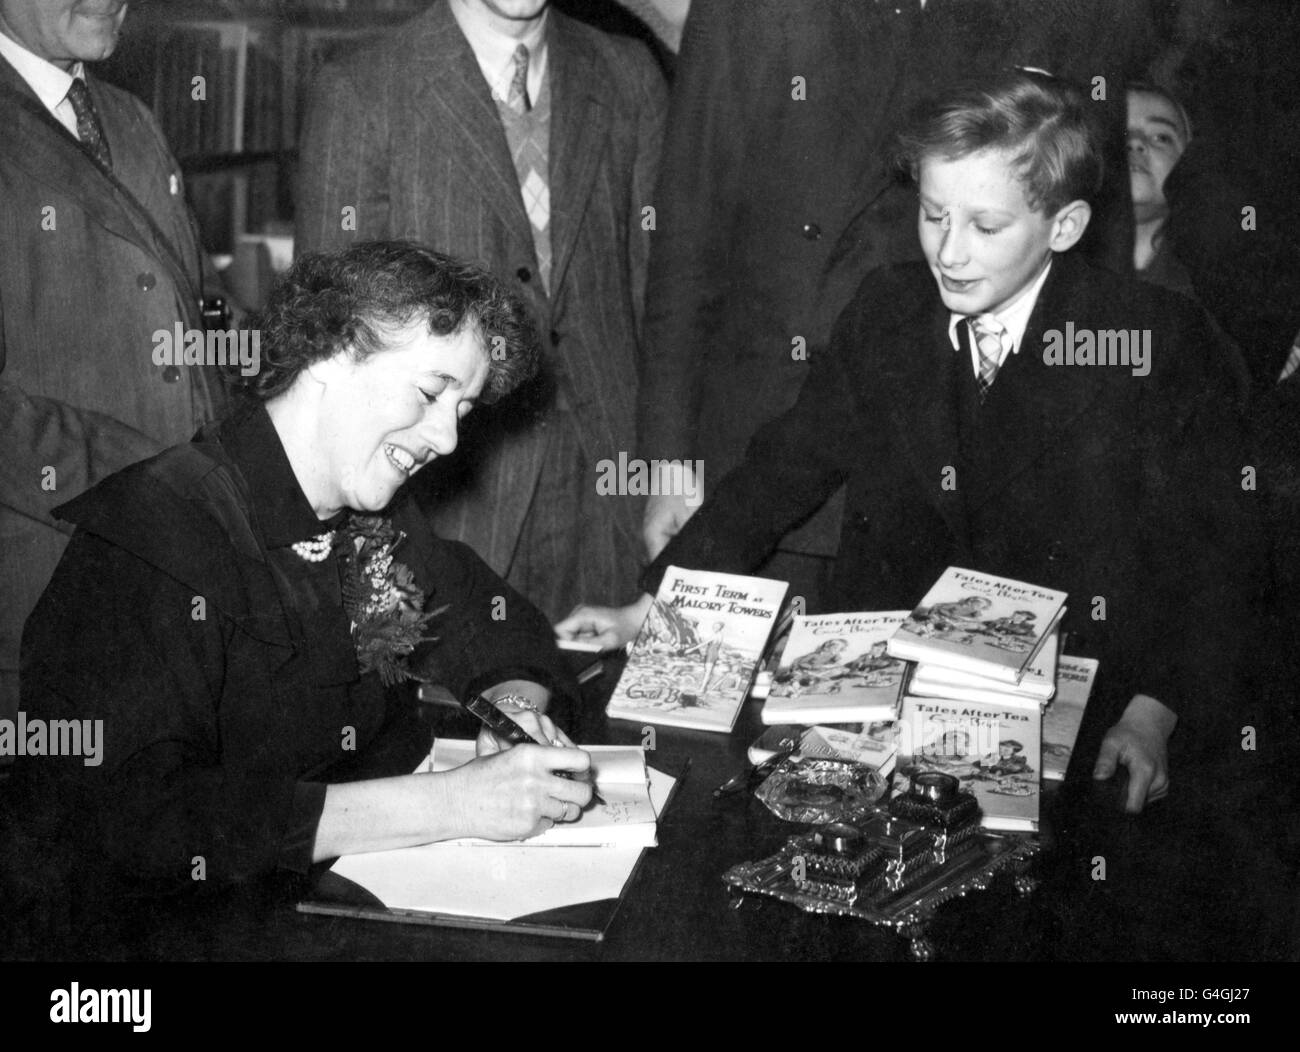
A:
1139,741
608,626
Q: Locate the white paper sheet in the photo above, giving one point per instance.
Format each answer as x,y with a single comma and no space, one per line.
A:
497,881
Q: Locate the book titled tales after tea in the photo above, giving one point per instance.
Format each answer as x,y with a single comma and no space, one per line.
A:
835,670
995,751
694,658
976,622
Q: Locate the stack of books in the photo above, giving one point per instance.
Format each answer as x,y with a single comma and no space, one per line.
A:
985,649
1064,714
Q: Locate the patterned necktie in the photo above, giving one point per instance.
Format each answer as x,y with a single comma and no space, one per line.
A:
988,332
89,130
528,134
518,99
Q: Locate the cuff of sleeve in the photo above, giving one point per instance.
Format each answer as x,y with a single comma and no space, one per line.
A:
299,838
559,684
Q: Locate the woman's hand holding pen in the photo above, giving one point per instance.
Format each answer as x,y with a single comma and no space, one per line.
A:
515,793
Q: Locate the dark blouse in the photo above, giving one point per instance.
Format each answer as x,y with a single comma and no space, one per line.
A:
222,664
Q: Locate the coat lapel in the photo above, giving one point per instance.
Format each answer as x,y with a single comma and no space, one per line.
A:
51,157
454,100
579,127
1039,403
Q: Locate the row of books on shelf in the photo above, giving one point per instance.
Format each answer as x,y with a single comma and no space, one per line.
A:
970,682
218,89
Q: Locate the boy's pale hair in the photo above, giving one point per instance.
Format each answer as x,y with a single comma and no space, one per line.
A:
1045,123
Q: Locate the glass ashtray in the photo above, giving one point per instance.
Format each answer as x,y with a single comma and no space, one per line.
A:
818,790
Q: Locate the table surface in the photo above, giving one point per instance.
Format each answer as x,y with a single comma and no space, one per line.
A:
1165,885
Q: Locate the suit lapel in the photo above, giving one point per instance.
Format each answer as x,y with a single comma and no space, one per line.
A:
1037,403
116,119
52,157
579,127
453,98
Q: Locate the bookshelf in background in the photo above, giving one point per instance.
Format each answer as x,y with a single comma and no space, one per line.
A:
258,58
235,131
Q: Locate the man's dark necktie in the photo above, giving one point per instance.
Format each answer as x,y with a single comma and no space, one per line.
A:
89,130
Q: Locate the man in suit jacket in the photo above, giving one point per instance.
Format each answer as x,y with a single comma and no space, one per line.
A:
416,137
777,195
100,252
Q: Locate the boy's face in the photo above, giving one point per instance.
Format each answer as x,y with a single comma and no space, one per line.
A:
983,242
1157,137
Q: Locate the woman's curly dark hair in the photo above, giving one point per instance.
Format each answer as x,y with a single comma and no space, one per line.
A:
348,300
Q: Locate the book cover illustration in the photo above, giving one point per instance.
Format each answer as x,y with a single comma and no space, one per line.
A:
693,660
835,669
977,622
1062,718
993,751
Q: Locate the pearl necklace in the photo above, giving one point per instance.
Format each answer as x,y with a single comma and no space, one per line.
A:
317,549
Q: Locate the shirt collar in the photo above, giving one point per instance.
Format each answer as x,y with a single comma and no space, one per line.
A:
496,52
280,508
49,83
1014,316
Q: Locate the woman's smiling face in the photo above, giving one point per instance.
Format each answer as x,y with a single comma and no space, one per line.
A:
382,419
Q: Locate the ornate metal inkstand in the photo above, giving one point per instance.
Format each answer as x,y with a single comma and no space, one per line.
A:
892,866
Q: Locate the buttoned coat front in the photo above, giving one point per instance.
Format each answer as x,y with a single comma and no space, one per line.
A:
92,266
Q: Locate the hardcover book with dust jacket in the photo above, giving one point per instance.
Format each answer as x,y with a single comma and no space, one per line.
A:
1062,718
835,669
1037,684
992,750
978,623
693,660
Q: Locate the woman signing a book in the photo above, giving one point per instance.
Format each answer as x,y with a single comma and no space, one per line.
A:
239,621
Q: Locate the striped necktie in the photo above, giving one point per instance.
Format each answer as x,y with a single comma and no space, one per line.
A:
988,333
89,130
